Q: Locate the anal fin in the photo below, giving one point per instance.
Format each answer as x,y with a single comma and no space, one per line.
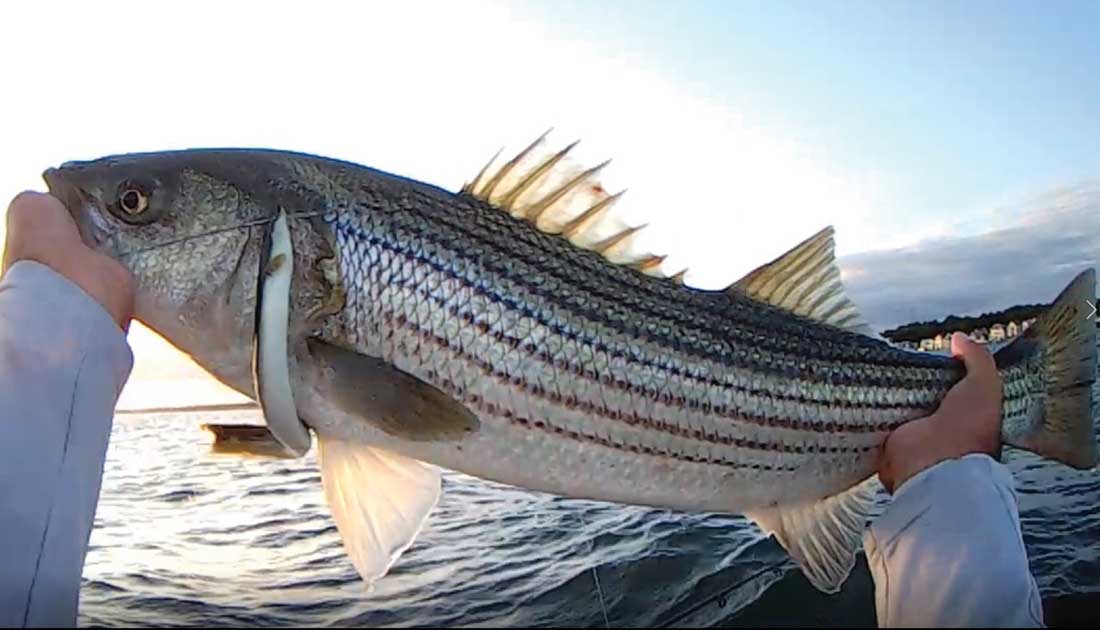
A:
823,537
379,500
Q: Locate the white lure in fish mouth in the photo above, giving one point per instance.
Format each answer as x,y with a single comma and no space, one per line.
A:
270,365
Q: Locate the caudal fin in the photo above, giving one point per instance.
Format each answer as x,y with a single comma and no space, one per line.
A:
1049,374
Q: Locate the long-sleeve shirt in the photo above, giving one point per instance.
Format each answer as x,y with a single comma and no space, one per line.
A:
63,363
947,552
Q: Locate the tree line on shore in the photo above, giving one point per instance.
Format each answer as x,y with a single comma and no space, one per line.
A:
953,323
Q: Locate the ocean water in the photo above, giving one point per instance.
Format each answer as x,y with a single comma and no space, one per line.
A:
187,538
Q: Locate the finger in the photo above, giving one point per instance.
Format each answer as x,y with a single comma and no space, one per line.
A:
975,356
19,219
34,217
29,203
31,208
886,475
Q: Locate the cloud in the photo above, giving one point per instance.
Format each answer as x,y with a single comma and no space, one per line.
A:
1056,237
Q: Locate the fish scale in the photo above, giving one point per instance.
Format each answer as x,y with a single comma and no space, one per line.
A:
675,432
595,324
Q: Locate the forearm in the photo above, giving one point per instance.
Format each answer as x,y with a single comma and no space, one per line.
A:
949,551
63,363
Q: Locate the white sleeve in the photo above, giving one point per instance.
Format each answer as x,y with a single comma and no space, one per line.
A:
63,363
949,551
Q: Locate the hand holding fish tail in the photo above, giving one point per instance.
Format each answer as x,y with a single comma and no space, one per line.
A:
967,421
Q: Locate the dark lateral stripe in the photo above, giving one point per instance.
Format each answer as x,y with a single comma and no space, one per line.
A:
491,409
882,357
652,394
390,242
489,221
632,419
579,336
720,411
643,450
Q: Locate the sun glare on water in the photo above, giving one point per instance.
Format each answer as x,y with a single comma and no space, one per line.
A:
165,377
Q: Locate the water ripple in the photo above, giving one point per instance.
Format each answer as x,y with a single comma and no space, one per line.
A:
185,538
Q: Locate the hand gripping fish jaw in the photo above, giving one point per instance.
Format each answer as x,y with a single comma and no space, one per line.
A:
270,365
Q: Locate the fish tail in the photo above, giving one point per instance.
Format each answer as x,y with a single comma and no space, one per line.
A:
1049,373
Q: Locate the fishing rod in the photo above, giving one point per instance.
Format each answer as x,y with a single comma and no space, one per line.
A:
722,596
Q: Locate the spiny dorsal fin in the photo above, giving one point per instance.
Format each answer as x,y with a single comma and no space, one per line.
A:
806,281
557,196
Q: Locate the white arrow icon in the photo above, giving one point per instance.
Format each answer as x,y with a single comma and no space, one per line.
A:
1093,307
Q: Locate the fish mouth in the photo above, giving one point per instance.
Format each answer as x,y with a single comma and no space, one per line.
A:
81,205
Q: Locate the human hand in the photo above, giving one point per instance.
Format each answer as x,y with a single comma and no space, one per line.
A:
39,228
967,421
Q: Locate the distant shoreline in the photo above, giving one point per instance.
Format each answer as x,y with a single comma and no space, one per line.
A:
190,408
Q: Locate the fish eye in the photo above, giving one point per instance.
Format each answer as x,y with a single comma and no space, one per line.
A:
133,200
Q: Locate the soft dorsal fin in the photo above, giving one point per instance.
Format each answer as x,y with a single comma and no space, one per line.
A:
806,281
557,196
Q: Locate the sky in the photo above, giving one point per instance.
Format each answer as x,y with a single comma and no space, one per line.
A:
940,139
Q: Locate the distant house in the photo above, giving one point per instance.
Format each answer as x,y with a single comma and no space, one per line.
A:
938,343
996,332
927,344
1027,324
979,335
1012,329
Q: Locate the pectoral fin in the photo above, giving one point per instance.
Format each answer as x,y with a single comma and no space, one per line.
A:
823,537
396,402
379,501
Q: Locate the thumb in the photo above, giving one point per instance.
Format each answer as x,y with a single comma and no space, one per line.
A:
979,362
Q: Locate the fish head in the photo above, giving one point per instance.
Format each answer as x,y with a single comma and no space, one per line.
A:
190,226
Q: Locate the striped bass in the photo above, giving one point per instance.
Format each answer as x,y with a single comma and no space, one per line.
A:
515,331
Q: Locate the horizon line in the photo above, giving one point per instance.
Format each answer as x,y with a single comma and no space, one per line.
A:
211,407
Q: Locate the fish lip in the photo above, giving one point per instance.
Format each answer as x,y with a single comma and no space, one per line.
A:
78,202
